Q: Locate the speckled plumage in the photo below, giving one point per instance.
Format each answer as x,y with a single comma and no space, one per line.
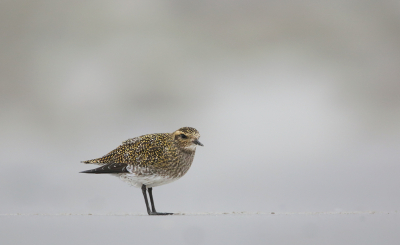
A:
151,160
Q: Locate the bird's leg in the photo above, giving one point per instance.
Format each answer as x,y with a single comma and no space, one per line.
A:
150,190
145,198
153,212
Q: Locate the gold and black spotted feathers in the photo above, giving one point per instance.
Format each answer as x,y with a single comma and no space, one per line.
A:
162,154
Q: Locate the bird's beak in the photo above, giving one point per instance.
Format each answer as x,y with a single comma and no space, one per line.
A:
197,142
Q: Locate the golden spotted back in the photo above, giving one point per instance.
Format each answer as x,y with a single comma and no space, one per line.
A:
146,150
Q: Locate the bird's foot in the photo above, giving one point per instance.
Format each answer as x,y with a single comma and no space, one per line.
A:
157,213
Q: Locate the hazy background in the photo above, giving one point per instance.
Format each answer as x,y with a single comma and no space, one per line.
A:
297,104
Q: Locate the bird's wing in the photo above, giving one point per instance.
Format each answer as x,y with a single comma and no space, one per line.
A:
140,151
108,158
111,168
115,156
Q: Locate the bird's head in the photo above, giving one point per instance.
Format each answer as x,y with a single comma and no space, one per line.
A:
187,138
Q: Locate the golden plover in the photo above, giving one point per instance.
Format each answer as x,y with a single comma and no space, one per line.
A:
151,160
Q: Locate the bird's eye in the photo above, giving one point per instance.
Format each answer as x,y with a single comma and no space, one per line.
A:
183,136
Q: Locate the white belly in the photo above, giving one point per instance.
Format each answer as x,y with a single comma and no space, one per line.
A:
148,180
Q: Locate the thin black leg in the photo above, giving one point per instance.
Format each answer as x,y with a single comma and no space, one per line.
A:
145,199
153,212
150,190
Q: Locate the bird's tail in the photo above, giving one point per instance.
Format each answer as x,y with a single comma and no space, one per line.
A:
111,168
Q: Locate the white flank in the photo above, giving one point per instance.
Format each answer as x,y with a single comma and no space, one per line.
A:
148,180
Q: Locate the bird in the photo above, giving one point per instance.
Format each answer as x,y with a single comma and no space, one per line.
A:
150,160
